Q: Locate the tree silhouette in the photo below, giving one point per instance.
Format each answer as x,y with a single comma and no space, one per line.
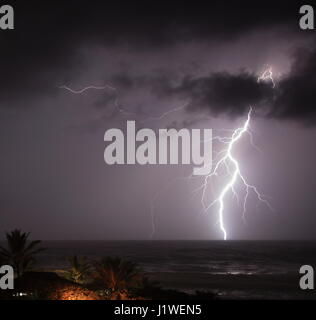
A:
19,252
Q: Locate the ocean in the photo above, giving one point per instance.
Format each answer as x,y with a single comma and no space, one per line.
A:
232,269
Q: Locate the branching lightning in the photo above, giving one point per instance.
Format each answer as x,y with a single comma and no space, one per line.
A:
232,167
226,161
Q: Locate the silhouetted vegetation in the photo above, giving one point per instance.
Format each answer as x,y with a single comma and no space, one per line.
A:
20,252
110,278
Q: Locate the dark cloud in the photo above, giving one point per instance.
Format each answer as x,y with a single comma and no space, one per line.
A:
224,93
42,51
296,94
293,98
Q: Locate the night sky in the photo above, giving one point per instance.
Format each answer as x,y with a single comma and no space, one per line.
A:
158,55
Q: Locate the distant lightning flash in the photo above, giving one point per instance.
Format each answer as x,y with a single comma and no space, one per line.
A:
267,75
117,104
86,89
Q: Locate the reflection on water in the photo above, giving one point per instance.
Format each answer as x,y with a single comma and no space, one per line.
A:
210,257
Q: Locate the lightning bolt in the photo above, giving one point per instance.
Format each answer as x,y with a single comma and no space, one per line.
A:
226,161
165,114
232,168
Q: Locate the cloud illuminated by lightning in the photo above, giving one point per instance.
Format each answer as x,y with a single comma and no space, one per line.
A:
266,76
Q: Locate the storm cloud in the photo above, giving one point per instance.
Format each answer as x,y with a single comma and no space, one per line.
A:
44,49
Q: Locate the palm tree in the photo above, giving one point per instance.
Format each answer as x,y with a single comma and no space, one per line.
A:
116,274
20,252
79,269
